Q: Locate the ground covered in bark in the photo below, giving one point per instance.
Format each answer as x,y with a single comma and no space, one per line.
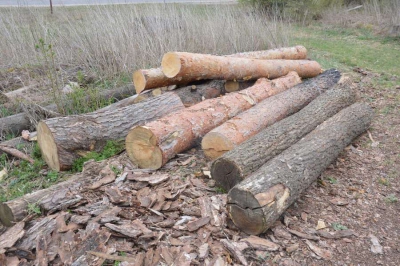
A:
177,216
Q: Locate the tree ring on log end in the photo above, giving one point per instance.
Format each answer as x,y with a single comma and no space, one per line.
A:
245,211
48,146
139,81
6,215
142,149
254,214
171,64
226,173
215,145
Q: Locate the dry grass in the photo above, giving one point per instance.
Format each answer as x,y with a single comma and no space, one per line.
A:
116,40
382,16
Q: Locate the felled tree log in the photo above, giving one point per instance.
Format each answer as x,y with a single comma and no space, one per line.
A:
145,79
15,94
293,53
256,202
62,139
152,145
16,210
242,127
189,66
14,124
237,164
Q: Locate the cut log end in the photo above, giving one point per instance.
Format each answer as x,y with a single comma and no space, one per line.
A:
215,145
48,146
139,80
231,86
248,211
171,64
141,146
226,173
6,215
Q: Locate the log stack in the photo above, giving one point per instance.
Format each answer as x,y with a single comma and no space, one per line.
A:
273,133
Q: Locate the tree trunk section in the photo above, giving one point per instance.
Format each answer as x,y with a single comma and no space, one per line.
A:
190,66
16,210
62,139
14,124
152,145
145,79
258,201
242,127
290,53
237,164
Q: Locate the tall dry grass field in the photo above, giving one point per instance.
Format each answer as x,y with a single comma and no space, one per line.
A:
115,40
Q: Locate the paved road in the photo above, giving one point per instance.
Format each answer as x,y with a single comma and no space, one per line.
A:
92,2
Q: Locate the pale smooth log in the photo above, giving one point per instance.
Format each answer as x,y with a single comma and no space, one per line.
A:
190,66
152,145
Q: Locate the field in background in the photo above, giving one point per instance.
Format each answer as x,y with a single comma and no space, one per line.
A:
109,42
115,40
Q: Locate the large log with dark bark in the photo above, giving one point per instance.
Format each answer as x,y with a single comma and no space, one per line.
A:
145,79
152,145
14,124
61,140
258,201
242,127
237,164
189,66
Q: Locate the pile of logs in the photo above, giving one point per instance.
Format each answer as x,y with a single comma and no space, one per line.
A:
269,134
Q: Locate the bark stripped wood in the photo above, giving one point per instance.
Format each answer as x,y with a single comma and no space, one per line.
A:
11,236
152,145
194,67
145,79
62,139
247,124
294,53
237,164
16,123
257,202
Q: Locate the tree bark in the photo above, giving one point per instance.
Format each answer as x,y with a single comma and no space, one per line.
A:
152,145
292,53
237,164
16,210
256,202
62,139
14,124
193,67
15,94
242,127
145,79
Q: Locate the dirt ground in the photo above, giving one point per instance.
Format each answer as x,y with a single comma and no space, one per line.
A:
181,219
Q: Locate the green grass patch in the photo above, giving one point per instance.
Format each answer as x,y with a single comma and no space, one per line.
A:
24,177
348,48
110,149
